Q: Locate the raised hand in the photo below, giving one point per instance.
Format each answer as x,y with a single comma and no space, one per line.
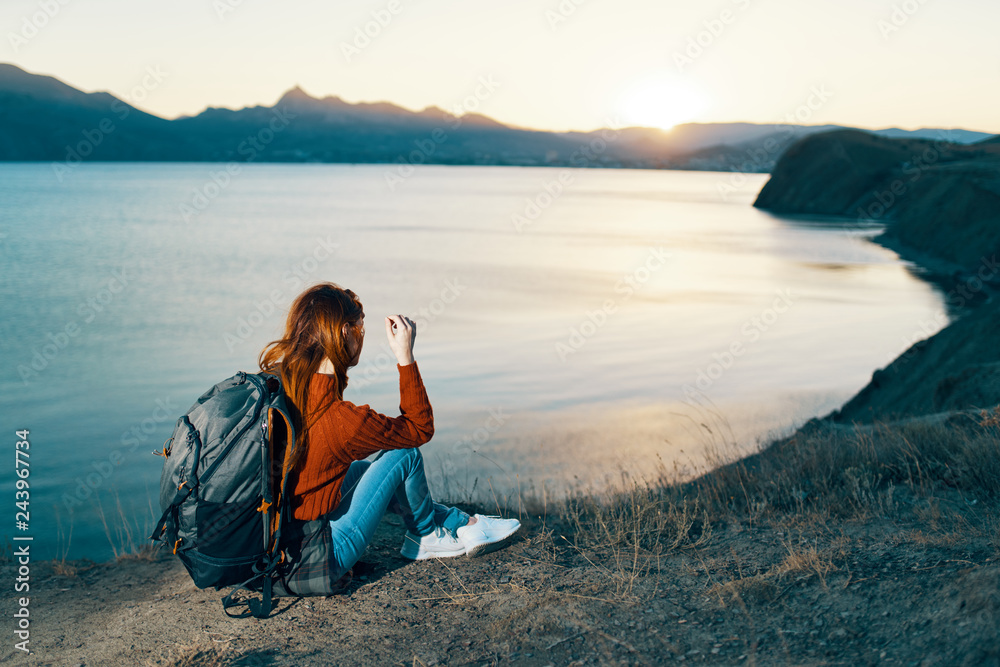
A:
401,332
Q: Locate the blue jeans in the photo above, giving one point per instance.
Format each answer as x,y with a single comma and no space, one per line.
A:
394,482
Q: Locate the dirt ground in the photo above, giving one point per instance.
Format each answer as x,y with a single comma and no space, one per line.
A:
924,591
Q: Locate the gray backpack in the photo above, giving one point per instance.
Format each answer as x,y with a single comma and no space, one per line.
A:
223,490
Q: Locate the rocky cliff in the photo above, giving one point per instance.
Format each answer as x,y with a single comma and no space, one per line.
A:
941,206
937,198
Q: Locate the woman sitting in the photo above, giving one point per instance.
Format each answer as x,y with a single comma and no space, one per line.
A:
330,479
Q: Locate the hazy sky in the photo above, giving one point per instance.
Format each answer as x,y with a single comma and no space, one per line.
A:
574,64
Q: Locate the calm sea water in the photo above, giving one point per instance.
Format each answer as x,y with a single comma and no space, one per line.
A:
572,323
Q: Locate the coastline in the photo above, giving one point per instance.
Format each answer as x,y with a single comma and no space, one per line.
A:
893,581
867,575
903,571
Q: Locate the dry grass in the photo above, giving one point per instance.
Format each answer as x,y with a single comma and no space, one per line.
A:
990,417
822,475
805,562
855,472
766,587
827,518
61,567
127,538
624,531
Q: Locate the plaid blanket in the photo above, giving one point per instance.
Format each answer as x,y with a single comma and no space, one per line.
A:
309,558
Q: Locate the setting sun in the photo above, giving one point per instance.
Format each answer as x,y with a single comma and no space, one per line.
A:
661,102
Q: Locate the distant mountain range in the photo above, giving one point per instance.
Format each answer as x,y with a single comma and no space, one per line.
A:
44,119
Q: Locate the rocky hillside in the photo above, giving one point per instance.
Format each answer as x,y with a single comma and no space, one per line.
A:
941,205
940,199
957,369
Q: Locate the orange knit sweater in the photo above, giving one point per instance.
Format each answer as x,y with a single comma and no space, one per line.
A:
349,432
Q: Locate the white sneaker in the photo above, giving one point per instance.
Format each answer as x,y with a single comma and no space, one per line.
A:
439,544
487,534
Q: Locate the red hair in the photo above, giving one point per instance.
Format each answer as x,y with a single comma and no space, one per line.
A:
314,332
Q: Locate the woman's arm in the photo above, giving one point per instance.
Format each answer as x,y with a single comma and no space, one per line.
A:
401,332
366,431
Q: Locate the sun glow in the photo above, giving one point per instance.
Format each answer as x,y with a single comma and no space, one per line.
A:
660,102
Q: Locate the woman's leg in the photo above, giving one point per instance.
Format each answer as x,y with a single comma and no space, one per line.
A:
449,518
397,478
